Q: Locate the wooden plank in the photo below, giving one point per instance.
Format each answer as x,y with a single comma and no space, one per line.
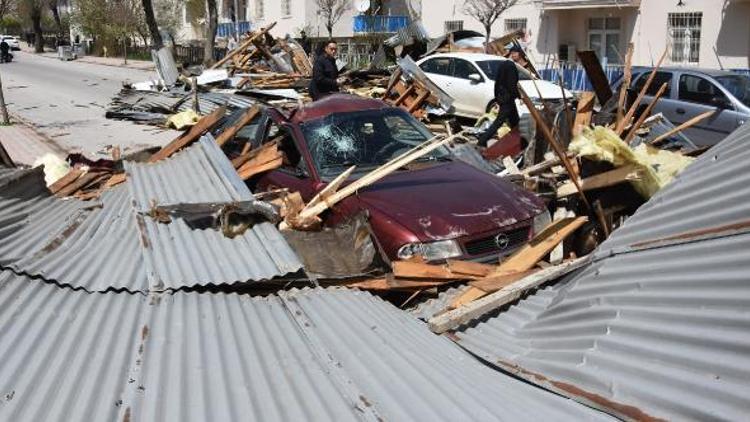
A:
229,132
465,314
647,112
331,187
525,258
596,75
191,135
626,79
393,82
584,112
79,183
621,174
497,282
243,46
418,101
621,125
695,120
264,159
70,177
407,269
561,153
389,283
470,268
404,95
115,180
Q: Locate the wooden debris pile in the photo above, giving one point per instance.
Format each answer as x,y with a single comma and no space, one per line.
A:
277,62
410,89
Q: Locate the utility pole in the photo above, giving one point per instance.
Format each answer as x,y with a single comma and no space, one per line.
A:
3,108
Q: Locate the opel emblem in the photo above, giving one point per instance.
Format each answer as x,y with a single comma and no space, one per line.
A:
502,241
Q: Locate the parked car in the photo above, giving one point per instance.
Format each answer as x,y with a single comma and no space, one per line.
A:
437,207
12,42
470,79
693,91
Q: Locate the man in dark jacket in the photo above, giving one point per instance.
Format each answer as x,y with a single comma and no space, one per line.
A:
325,73
506,92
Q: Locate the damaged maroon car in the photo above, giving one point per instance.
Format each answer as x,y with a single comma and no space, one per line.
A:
437,207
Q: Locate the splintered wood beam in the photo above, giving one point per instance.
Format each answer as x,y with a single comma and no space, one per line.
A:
622,124
191,135
647,112
583,112
561,154
331,187
626,79
231,131
507,294
695,120
243,46
627,172
523,260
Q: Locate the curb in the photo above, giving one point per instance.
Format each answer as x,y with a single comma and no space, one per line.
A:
83,60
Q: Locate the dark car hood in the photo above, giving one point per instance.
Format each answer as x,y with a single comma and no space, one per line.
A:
449,200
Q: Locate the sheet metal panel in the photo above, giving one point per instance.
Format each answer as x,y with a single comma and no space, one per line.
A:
306,355
658,330
113,244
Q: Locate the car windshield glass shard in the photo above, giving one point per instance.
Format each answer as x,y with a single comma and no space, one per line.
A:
489,67
738,85
366,139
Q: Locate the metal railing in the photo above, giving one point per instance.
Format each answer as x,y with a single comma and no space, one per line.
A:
379,23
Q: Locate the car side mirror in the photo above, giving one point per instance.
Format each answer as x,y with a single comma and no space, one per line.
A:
475,78
720,102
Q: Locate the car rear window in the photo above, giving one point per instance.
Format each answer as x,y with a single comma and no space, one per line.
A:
659,79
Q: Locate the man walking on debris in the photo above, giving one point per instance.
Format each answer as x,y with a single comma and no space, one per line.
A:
506,92
325,72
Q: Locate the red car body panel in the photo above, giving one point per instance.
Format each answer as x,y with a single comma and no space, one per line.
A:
437,201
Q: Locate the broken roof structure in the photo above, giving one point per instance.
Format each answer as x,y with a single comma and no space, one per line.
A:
658,325
308,354
118,241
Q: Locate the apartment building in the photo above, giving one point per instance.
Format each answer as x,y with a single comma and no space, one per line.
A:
705,33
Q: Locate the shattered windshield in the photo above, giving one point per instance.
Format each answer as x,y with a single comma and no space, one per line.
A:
738,85
366,139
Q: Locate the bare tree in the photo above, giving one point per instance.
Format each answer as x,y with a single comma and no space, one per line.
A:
332,11
212,24
487,12
153,28
6,6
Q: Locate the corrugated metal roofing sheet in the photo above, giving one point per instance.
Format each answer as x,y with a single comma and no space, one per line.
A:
658,330
109,244
305,355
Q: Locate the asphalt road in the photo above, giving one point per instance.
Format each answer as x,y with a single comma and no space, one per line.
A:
66,101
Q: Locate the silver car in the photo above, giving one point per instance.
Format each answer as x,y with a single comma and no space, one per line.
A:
693,91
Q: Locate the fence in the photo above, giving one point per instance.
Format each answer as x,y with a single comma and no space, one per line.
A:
356,54
575,79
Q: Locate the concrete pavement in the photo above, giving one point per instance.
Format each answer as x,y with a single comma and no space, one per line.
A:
66,102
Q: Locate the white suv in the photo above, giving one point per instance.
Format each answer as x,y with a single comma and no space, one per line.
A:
12,42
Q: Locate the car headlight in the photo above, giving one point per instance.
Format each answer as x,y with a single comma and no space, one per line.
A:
541,221
431,251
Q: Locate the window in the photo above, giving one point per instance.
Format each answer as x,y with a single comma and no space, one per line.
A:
490,67
462,69
440,66
286,7
367,139
684,36
515,24
451,26
604,38
699,90
259,9
659,79
738,86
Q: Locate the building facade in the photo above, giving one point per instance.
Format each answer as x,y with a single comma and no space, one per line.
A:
705,33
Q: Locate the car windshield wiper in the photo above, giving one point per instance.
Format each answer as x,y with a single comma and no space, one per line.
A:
433,158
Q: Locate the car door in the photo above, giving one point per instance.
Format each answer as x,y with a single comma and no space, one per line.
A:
698,94
440,71
475,95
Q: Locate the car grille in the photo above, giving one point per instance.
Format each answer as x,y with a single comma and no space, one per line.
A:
488,244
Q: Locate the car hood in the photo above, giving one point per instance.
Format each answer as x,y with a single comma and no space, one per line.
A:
549,90
449,200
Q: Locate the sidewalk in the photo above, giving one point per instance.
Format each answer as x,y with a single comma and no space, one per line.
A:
25,145
103,61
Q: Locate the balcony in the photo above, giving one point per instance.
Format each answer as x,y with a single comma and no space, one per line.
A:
226,29
587,4
365,24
